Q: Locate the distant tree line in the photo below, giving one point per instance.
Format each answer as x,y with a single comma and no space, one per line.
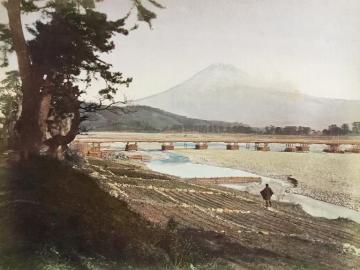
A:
344,129
332,130
288,130
142,126
236,128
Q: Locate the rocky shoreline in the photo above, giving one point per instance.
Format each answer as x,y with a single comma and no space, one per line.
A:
338,198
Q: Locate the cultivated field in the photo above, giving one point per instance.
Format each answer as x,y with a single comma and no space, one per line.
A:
235,225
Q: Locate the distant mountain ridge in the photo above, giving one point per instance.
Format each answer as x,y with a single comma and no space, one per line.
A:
224,93
147,119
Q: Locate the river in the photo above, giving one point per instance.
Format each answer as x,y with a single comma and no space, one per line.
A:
178,165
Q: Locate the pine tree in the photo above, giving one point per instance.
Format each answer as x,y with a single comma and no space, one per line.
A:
66,43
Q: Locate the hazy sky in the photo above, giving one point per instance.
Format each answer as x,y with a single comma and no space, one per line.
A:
313,45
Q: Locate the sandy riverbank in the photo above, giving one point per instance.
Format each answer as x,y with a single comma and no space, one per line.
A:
333,178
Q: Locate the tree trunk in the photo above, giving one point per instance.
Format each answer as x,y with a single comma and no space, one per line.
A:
57,144
44,108
27,126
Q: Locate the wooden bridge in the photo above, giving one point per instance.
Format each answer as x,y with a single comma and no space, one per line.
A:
116,137
91,145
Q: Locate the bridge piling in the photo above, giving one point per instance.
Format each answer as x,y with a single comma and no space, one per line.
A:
290,148
334,148
355,148
131,146
201,146
262,146
303,147
167,146
232,146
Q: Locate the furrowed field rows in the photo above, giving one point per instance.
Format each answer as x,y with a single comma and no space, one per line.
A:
240,200
261,222
288,225
291,225
208,208
193,199
190,217
185,214
202,201
256,223
146,194
162,189
230,202
284,223
140,181
325,232
280,222
216,201
336,230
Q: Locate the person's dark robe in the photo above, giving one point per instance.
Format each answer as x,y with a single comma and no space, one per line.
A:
266,193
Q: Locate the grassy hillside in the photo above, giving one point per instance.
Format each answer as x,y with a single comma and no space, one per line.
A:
55,217
148,119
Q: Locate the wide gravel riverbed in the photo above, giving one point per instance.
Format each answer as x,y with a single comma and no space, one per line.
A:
334,178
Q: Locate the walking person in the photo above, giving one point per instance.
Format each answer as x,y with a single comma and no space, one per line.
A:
266,193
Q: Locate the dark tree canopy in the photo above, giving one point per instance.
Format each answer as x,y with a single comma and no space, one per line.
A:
80,39
60,62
